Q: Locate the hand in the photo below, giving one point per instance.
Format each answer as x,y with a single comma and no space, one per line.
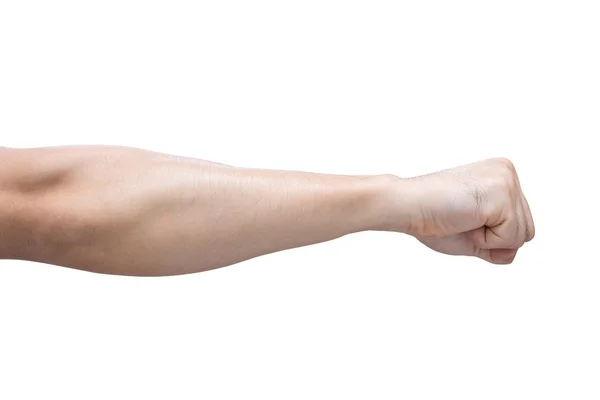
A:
473,210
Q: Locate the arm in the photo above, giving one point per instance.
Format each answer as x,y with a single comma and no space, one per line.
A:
128,211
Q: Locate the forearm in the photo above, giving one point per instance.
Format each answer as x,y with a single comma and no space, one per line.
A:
127,211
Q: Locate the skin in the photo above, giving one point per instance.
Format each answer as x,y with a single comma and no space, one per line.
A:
127,211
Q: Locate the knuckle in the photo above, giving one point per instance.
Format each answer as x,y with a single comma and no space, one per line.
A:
516,236
523,235
505,181
506,163
530,233
506,170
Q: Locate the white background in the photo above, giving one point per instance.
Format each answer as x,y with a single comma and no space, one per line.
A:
330,86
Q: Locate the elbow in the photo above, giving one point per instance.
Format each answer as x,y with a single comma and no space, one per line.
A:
40,219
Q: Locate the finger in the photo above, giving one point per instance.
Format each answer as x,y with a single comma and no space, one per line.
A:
530,232
497,256
529,218
506,235
523,222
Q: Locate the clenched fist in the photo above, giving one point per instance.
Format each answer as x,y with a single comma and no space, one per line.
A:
474,210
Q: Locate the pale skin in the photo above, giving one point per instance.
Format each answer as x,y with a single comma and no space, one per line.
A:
127,211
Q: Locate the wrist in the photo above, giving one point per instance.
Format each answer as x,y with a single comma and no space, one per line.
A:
394,204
